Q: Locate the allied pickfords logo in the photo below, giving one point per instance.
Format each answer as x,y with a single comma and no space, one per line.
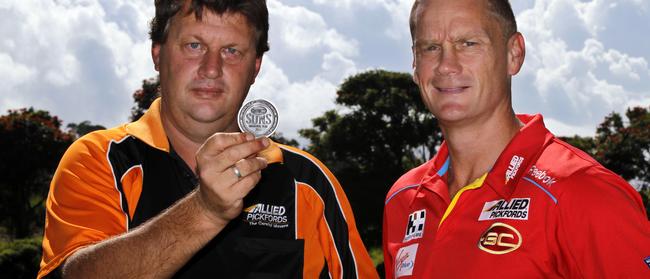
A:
415,226
514,209
541,176
268,215
405,260
500,239
515,163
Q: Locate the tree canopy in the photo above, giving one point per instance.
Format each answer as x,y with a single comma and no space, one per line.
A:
382,130
31,145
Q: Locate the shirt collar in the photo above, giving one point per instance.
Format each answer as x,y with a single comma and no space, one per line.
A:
149,129
519,155
514,162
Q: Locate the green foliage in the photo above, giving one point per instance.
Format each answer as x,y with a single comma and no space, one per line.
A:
20,258
385,131
625,149
144,96
31,145
82,128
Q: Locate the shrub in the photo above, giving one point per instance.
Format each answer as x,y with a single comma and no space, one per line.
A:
20,258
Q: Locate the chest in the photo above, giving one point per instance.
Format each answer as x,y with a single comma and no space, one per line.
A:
479,234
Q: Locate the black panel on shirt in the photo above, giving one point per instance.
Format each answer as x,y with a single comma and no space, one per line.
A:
242,250
309,173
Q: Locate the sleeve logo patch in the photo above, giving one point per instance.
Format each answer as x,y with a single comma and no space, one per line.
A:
515,209
647,261
405,260
415,226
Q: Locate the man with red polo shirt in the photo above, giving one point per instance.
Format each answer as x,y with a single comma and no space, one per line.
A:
502,198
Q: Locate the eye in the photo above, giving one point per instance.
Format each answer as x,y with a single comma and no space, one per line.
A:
193,47
231,55
428,48
469,43
431,48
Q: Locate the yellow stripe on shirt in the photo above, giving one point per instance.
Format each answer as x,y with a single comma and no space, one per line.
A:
476,184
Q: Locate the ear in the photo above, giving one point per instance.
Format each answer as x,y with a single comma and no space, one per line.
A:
516,53
258,65
155,56
413,63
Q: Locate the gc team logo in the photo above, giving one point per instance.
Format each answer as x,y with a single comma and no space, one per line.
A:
500,239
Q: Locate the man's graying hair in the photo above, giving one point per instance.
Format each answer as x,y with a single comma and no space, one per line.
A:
500,9
254,11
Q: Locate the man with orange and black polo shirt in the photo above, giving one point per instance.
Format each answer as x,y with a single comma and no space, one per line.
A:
503,197
180,192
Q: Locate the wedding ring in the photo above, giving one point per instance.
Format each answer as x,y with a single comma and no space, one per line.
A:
236,171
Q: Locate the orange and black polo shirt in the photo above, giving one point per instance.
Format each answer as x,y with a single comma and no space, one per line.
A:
297,222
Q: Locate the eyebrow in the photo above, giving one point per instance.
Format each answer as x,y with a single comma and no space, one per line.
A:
455,36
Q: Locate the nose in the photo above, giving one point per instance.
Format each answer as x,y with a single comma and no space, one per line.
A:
211,65
448,64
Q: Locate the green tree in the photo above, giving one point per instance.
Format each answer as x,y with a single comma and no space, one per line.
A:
625,147
31,145
144,96
384,131
82,128
20,258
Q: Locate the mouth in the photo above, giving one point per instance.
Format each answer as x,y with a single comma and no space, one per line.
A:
452,90
207,92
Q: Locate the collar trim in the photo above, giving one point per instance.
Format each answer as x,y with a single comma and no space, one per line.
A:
149,128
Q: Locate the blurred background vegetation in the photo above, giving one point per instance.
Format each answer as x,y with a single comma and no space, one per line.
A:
382,130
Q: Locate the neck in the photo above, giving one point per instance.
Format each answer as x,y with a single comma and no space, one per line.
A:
473,149
187,140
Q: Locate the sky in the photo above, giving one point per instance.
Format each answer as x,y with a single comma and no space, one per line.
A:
82,59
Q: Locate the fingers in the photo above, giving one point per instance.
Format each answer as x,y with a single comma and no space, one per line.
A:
227,149
248,166
228,169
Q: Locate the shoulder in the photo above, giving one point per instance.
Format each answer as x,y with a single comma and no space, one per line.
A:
559,162
94,145
409,180
306,168
578,180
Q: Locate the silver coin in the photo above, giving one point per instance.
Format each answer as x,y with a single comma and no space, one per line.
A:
258,117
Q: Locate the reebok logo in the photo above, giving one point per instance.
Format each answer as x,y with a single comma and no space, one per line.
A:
541,176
